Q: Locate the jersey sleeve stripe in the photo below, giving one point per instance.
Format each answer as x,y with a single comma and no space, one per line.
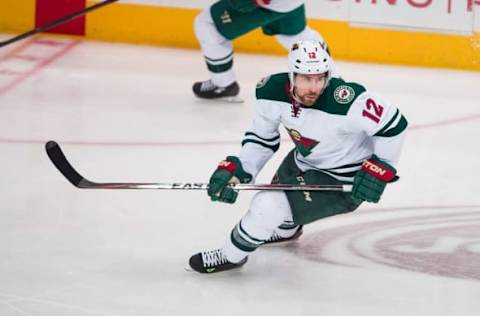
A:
341,174
389,123
343,178
353,165
394,131
262,138
274,148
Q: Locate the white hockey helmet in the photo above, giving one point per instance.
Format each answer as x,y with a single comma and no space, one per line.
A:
308,57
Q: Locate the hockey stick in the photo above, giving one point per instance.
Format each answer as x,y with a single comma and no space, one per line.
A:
55,23
58,158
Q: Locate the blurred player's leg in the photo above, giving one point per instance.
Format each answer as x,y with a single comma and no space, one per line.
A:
218,53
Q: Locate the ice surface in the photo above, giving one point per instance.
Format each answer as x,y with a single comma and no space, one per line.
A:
126,113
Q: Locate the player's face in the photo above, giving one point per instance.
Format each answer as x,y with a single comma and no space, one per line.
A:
309,87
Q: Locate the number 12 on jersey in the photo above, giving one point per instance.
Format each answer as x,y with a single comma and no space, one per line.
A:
374,111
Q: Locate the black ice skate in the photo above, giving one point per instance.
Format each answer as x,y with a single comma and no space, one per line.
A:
275,238
213,261
208,90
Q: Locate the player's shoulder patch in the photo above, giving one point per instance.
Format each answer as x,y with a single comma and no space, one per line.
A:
344,94
339,96
273,87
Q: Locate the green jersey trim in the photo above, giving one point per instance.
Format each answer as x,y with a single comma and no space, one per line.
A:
338,97
275,88
274,148
394,131
265,139
389,124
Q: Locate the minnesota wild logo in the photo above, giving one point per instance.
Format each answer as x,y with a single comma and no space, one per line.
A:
344,94
304,145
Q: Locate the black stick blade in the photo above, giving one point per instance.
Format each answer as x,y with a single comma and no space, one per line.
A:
57,157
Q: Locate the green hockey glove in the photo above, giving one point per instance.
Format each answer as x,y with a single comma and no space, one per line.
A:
228,171
370,181
243,5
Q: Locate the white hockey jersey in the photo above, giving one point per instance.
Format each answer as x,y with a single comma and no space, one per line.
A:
345,126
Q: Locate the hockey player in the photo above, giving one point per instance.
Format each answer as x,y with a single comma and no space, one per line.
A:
343,134
226,20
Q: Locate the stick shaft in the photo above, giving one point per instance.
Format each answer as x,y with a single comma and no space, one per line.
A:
56,22
61,162
204,186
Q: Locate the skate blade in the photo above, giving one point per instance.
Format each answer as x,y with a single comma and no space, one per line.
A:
235,99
